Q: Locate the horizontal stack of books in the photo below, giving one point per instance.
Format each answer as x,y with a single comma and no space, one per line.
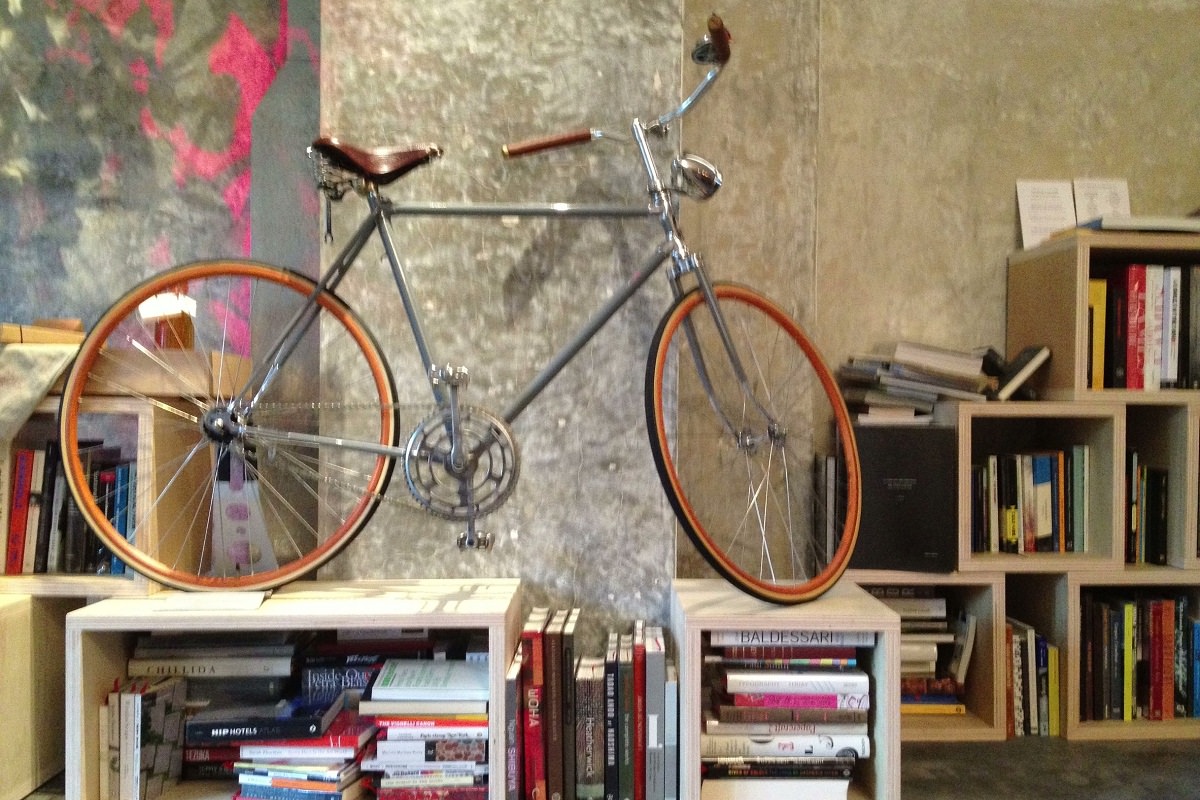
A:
919,384
783,720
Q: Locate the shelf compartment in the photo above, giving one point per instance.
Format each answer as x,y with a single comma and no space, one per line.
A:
1048,301
1008,427
100,637
981,594
700,606
1068,594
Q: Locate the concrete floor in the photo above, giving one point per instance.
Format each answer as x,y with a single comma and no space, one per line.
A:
1051,769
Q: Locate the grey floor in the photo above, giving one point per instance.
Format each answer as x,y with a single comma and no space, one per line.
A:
1051,769
1024,769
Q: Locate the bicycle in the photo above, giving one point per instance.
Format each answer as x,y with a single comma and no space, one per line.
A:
272,476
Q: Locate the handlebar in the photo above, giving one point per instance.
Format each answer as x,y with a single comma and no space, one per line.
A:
712,49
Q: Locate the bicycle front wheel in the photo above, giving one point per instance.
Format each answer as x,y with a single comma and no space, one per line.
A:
744,460
242,479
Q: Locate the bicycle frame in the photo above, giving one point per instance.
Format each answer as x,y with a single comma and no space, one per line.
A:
663,206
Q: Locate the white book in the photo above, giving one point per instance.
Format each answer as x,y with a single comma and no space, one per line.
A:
832,744
413,679
1152,344
816,681
656,710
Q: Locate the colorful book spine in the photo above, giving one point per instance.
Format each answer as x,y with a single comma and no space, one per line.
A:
828,700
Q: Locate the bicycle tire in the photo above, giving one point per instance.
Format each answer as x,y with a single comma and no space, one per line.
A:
232,502
747,501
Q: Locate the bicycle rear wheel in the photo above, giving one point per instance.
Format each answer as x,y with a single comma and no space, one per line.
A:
243,483
743,463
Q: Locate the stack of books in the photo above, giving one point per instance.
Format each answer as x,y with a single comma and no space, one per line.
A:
906,386
783,720
316,766
433,726
934,651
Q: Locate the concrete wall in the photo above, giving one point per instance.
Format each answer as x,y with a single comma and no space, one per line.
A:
870,152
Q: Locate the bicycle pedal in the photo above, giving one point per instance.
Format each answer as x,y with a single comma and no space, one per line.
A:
481,541
450,376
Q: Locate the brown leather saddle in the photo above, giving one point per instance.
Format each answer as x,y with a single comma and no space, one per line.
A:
381,165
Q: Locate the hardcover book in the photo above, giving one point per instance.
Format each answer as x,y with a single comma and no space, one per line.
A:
789,637
286,719
589,734
413,679
809,681
151,751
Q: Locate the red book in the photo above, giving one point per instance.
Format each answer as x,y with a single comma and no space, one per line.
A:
639,710
831,700
18,509
432,793
345,736
1135,327
533,679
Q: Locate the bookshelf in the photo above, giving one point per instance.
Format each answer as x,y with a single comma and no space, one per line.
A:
983,595
1048,302
100,637
700,606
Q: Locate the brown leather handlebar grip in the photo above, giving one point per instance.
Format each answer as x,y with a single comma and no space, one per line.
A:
719,35
529,146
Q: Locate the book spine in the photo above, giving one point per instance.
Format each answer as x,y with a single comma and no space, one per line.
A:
829,700
514,730
589,732
748,746
782,728
780,682
532,655
625,713
640,736
417,750
232,667
201,733
569,663
656,702
18,515
390,730
552,708
743,714
790,637
612,728
268,751
713,768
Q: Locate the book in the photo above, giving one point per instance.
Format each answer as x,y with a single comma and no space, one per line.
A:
638,644
249,792
1020,369
1161,223
344,737
940,359
1097,328
775,789
790,637
151,742
778,767
964,645
286,719
373,707
827,700
730,713
671,737
713,725
931,707
589,733
18,509
534,682
625,713
415,679
552,707
418,751
248,666
612,728
455,726
569,664
514,729
809,681
432,793
656,709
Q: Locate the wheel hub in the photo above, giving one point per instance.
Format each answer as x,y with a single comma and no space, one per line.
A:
221,425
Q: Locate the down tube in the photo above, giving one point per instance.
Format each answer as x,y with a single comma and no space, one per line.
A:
585,334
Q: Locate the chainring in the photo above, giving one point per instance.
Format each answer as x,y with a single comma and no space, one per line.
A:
489,477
